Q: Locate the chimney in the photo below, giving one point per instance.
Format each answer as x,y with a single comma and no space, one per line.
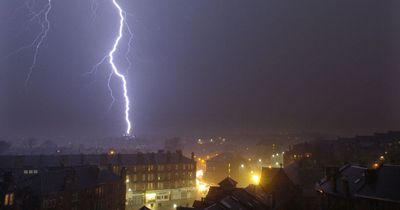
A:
370,176
179,153
122,174
119,159
69,179
64,160
331,174
82,159
104,159
345,186
40,159
192,155
140,157
168,156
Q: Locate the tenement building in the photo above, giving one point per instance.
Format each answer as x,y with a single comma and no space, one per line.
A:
64,188
161,180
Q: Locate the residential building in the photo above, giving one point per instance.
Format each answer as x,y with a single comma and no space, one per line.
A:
360,188
227,196
226,164
64,188
158,180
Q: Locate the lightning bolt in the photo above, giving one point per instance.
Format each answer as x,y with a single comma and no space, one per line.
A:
115,70
123,26
43,34
39,39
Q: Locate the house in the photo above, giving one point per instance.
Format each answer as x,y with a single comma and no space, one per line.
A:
358,187
284,193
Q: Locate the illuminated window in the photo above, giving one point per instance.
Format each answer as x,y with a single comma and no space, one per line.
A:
160,185
9,199
150,185
6,200
150,177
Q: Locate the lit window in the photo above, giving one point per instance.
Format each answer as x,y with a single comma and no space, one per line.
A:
6,200
9,199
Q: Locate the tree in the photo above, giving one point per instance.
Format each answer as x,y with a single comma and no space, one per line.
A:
30,142
48,144
4,146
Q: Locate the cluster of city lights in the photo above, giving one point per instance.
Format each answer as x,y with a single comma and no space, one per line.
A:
201,186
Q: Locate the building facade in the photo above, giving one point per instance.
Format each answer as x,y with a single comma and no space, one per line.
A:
159,180
64,188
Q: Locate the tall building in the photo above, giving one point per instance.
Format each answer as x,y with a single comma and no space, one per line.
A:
226,164
159,180
64,188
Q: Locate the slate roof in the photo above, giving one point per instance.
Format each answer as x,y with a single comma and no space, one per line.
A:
229,182
144,208
243,198
53,180
37,161
226,157
251,197
352,173
385,186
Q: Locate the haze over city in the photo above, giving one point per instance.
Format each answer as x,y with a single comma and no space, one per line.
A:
199,105
204,66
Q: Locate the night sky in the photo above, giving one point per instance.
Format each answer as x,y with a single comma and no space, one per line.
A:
199,66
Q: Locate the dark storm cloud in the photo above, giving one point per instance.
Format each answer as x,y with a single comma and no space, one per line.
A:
198,65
